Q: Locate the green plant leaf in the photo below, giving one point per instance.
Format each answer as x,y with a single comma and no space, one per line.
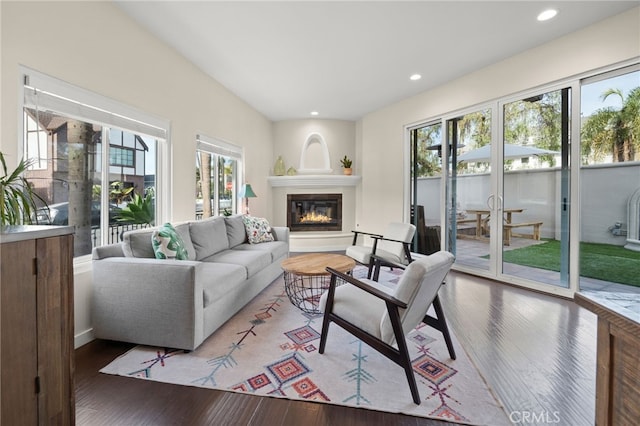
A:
18,202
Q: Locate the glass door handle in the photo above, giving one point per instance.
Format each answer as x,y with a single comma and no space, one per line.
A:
490,202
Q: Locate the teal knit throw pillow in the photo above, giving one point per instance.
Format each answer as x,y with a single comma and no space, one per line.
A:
167,243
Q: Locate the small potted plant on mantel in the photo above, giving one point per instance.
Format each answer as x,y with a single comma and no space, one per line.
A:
346,164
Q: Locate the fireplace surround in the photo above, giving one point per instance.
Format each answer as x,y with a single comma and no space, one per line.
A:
314,212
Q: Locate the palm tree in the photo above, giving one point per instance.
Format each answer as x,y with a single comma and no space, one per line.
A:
611,131
79,138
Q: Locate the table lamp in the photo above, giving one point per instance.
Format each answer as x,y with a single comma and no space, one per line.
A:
247,192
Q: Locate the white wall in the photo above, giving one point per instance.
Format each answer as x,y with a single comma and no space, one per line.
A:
381,145
95,46
604,197
289,137
605,192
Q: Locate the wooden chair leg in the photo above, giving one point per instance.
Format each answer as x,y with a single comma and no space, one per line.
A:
440,323
370,271
323,334
402,353
328,309
408,371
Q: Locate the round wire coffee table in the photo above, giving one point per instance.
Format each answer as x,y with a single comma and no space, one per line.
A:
306,278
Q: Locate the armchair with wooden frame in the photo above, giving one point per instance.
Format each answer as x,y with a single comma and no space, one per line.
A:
381,317
394,245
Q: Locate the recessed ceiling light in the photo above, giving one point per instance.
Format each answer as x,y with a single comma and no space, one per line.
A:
547,14
415,77
314,113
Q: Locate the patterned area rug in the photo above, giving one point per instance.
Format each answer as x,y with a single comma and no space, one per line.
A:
270,348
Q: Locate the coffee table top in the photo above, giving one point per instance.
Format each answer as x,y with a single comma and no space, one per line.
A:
315,263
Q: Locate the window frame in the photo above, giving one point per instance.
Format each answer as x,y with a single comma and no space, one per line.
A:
38,90
219,147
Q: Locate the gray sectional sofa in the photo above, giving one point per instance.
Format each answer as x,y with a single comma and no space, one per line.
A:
179,303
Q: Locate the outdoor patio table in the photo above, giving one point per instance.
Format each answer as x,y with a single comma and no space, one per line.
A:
483,216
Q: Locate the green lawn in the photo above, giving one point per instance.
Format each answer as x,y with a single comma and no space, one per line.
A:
601,261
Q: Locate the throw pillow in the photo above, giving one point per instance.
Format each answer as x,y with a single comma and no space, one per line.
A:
258,229
167,243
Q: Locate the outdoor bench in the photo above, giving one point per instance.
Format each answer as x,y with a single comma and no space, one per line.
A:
508,233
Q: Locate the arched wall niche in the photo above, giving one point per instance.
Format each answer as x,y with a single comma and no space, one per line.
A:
315,138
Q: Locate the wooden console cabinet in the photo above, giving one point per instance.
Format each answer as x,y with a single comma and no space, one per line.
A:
618,364
36,326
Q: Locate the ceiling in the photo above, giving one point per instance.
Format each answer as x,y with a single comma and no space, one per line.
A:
345,59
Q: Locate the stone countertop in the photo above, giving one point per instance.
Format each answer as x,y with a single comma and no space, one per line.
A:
13,233
626,305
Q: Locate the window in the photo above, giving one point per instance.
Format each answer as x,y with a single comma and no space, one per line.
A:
121,156
35,138
218,177
94,158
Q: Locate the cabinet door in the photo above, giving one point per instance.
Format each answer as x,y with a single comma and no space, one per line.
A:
19,333
55,330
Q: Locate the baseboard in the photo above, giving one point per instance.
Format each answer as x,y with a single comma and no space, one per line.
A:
83,338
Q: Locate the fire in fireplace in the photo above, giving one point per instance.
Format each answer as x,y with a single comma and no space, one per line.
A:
314,212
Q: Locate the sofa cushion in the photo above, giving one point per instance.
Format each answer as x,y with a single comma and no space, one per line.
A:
258,229
277,249
253,261
236,232
183,230
219,279
168,244
209,236
137,243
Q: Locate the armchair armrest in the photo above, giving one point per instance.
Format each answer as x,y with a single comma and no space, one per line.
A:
356,233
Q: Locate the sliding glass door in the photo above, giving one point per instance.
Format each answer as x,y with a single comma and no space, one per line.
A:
470,190
535,188
426,178
610,185
540,189
508,190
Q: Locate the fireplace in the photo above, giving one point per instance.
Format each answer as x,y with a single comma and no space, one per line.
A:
314,212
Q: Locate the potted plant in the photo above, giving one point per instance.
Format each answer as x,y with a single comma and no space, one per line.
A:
17,199
346,164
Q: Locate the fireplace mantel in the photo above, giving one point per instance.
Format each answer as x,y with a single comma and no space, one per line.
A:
310,181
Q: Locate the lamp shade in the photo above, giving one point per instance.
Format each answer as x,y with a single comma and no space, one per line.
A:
247,192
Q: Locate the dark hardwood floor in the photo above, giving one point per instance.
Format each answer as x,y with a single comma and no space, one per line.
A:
536,352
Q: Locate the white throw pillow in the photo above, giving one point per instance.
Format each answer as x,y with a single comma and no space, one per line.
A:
258,229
